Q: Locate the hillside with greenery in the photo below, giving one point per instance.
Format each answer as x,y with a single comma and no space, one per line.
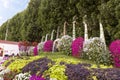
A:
42,16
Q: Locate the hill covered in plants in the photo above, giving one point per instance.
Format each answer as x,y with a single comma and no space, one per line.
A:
42,16
57,66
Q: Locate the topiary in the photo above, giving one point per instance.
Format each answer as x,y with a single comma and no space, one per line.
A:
48,46
77,46
115,50
95,51
64,44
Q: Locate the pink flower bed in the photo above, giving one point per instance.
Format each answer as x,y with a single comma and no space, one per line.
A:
77,46
48,46
115,50
35,77
35,51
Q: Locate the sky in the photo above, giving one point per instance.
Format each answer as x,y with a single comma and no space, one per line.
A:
8,8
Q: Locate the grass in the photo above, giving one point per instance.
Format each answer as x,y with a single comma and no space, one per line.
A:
59,56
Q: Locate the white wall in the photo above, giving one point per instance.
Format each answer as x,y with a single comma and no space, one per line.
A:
9,48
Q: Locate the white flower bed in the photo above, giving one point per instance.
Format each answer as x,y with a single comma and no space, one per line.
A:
22,76
64,44
4,70
40,46
94,50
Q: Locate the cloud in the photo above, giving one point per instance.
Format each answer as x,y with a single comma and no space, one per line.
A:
1,18
6,3
8,8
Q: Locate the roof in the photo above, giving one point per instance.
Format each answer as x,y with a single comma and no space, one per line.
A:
8,42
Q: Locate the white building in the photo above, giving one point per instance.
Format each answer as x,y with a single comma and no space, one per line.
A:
9,47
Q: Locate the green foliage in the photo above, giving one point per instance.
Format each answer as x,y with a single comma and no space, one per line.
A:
56,72
42,16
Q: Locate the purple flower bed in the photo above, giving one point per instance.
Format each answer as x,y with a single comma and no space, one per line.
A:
35,77
37,66
115,50
78,72
107,74
77,46
48,46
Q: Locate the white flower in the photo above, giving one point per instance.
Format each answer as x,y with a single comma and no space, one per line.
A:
5,70
40,46
22,76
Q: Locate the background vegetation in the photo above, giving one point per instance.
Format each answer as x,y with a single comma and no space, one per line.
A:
42,16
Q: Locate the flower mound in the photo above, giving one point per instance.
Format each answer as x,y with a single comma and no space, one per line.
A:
77,46
35,51
40,46
65,44
48,46
115,47
115,50
94,50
